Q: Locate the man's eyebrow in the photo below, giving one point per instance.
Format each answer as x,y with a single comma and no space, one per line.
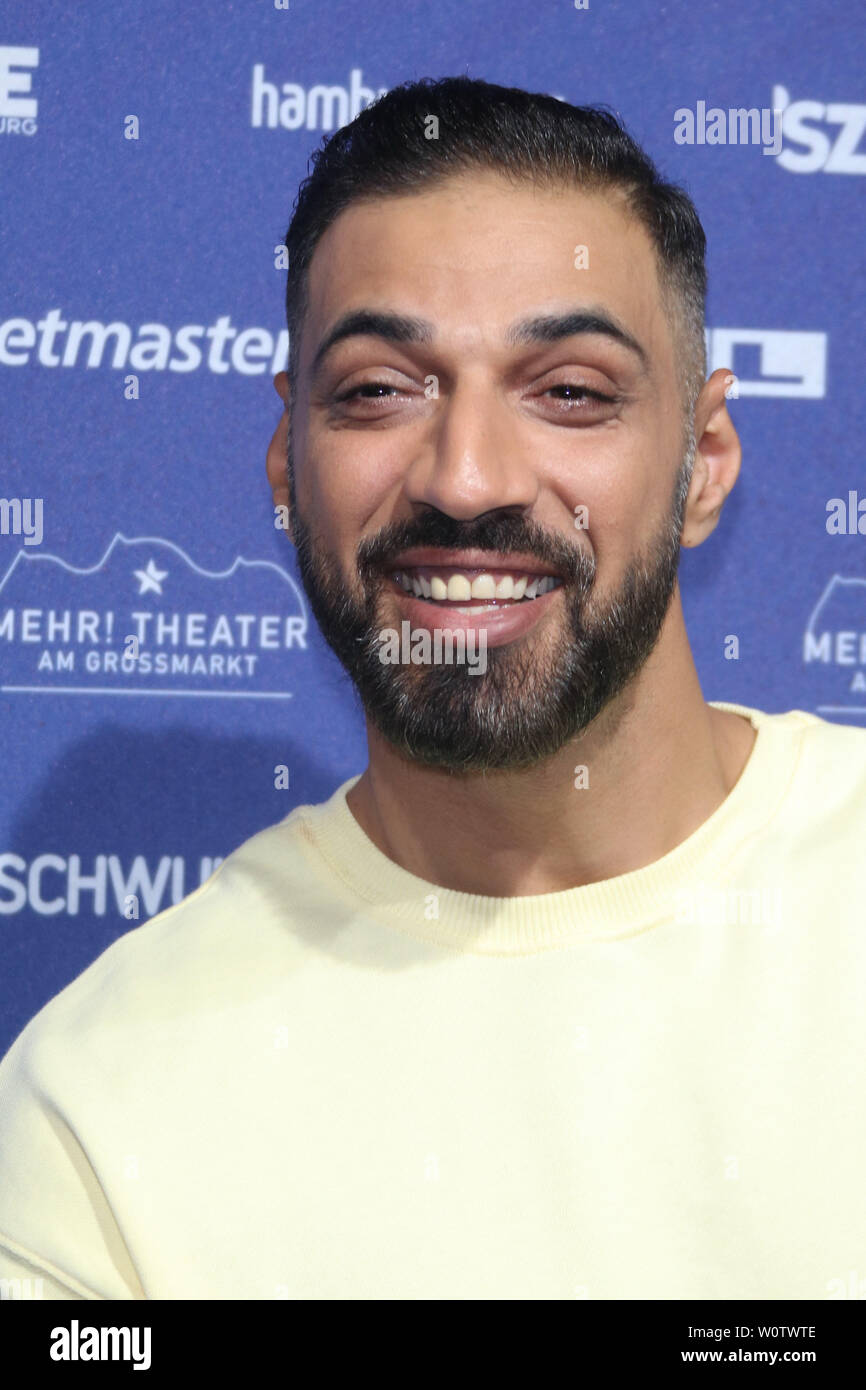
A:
549,328
396,328
539,328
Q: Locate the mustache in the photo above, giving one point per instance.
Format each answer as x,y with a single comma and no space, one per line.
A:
497,533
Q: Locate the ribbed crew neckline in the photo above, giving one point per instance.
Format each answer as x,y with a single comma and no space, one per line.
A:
613,907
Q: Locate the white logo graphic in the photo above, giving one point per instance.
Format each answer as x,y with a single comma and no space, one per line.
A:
835,636
151,347
788,363
138,887
832,152
150,579
321,108
147,620
17,112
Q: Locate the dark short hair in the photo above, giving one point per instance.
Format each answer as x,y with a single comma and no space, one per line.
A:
385,152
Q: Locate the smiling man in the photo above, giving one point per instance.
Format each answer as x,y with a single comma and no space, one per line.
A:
554,447
563,995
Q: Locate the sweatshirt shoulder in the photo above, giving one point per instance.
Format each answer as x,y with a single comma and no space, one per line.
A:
813,736
216,948
824,764
841,746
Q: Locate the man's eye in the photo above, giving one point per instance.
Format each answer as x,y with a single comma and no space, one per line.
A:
372,386
581,394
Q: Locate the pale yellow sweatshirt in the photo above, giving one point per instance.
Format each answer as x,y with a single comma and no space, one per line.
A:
321,1077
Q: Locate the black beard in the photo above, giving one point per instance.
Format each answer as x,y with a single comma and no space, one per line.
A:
536,694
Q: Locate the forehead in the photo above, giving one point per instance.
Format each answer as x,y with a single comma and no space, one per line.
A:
474,253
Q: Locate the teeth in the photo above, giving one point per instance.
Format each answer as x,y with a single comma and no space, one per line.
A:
483,586
459,587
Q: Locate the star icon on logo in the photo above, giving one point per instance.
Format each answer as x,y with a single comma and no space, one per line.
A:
150,578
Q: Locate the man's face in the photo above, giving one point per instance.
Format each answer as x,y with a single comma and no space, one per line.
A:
472,442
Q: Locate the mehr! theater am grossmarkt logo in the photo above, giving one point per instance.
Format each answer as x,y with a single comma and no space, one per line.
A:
147,620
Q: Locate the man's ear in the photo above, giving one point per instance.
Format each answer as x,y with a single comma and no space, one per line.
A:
277,453
281,386
717,460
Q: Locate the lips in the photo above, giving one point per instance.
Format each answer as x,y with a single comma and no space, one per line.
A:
499,622
473,561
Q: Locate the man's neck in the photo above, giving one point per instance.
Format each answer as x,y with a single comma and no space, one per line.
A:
660,761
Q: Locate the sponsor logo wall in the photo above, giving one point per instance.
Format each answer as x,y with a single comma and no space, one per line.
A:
164,690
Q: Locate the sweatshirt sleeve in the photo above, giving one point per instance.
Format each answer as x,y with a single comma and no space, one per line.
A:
56,1225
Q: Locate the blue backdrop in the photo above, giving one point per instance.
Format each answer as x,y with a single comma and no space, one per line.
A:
150,155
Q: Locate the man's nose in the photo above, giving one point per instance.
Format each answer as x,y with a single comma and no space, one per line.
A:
473,460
